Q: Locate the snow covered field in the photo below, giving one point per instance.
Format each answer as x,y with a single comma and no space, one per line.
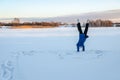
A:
50,54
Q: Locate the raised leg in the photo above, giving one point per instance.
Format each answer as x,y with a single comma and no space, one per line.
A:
86,30
79,28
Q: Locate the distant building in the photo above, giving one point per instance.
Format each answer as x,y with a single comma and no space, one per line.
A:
16,21
116,24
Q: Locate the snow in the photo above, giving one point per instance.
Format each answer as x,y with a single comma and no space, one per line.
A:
50,54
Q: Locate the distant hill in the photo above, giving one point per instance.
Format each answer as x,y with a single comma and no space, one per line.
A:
113,15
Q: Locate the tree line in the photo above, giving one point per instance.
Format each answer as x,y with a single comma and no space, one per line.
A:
92,23
32,24
101,23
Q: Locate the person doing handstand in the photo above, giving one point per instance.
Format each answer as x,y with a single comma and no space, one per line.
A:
82,36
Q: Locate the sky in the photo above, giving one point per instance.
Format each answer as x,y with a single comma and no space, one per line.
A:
53,8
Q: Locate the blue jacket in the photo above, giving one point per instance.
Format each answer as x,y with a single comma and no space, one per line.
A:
82,40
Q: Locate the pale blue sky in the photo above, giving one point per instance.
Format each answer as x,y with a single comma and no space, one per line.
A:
53,8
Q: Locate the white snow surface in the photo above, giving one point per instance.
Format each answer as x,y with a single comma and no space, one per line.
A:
50,54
